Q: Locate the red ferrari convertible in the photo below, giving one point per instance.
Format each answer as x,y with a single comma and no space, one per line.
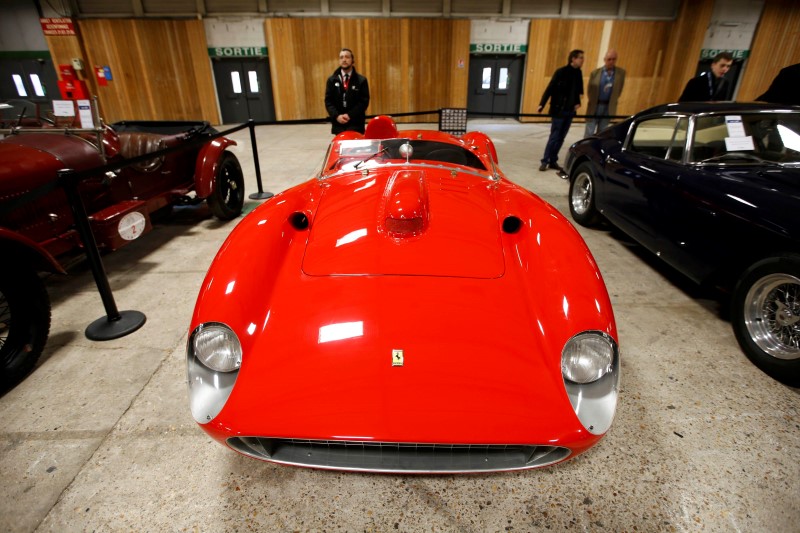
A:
409,310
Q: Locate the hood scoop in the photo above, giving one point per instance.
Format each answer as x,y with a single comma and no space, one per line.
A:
406,208
403,223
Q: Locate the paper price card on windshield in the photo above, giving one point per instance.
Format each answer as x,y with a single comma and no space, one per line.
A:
735,126
737,144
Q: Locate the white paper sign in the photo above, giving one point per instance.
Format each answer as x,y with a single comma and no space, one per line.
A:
737,144
85,113
63,108
735,126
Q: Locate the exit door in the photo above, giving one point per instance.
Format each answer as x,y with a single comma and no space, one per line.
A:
245,89
495,84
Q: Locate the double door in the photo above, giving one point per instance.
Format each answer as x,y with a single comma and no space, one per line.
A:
495,85
244,87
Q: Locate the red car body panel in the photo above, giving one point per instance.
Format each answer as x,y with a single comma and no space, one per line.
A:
482,314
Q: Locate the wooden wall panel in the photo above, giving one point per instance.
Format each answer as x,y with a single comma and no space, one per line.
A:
549,44
411,65
641,47
160,69
776,44
686,38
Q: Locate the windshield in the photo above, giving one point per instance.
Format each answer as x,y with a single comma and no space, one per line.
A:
357,154
747,138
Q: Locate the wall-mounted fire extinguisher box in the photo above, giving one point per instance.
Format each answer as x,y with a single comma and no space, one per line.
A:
70,86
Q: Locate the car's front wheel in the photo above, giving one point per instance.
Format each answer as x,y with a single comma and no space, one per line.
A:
227,198
582,205
766,316
24,322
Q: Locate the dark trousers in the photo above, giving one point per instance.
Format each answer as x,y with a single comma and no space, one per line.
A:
558,131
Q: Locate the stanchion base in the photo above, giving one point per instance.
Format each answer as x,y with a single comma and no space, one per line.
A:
261,195
104,329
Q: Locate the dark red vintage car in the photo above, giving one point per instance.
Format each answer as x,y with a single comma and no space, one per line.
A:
37,228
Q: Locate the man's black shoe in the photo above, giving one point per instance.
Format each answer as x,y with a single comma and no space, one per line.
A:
543,167
555,166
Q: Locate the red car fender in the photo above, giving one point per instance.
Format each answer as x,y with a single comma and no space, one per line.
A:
40,258
206,167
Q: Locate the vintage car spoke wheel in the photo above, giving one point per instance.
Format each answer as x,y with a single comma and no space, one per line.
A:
227,198
767,317
24,323
581,196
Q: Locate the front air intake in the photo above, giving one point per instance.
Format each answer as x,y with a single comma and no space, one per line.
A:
400,457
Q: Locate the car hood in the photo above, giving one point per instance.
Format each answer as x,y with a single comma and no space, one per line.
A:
32,159
361,219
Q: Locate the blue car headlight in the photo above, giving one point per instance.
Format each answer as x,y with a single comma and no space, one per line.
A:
590,368
213,358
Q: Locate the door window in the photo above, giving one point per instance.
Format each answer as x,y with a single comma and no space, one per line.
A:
20,86
653,137
679,142
502,82
252,76
236,82
486,82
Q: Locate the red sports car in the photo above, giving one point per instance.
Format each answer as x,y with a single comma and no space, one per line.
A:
409,310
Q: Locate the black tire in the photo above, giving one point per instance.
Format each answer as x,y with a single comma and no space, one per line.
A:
24,323
582,205
227,198
766,316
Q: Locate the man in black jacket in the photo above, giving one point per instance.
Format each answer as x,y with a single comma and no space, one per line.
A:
709,86
564,92
785,88
347,96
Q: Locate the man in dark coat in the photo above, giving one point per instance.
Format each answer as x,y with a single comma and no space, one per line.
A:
709,86
564,92
347,96
785,88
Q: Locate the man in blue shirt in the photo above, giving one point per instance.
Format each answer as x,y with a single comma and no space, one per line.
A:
605,86
564,92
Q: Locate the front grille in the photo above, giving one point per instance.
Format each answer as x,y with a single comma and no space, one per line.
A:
398,457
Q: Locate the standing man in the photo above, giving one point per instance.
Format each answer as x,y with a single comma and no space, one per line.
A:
564,91
785,88
605,86
347,96
711,85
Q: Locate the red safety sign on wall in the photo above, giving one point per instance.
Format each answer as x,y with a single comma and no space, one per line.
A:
57,26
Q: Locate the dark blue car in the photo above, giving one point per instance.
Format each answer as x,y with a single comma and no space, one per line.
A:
713,189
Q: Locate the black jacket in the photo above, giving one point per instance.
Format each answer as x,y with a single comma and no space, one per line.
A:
354,103
785,88
699,89
564,90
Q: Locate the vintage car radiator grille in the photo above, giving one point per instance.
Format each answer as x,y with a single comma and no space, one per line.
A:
398,457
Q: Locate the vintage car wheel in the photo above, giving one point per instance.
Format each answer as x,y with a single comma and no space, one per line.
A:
24,322
766,316
227,198
581,196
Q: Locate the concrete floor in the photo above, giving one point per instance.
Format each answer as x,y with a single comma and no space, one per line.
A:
99,436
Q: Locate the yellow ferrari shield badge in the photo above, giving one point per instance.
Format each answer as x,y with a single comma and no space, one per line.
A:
397,357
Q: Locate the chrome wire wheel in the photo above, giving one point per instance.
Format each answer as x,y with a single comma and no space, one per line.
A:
772,315
581,196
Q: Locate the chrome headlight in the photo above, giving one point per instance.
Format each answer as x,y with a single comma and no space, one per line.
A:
590,367
587,357
217,347
213,358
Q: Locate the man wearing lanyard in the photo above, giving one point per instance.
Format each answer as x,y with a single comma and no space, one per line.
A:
709,86
605,86
346,96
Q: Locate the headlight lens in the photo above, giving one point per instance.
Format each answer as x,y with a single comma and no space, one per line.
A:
217,347
587,357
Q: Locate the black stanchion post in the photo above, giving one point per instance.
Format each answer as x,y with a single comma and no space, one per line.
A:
115,324
260,195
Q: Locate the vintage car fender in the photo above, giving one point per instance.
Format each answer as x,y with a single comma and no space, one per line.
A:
16,245
206,167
